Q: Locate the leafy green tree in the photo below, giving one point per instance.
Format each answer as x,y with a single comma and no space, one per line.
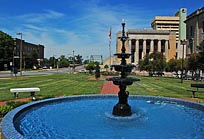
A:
53,61
97,69
46,62
78,59
31,60
172,65
6,49
200,49
91,66
192,63
106,67
63,61
153,62
86,61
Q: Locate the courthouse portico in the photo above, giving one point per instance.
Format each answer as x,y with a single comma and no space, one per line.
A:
142,42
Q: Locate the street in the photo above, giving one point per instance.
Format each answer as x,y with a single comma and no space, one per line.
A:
42,71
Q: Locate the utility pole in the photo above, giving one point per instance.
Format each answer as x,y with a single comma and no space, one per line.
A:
183,42
73,62
21,52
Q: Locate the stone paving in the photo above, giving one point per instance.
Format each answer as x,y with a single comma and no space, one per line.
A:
109,88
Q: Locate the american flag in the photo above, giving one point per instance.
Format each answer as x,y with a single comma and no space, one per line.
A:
110,33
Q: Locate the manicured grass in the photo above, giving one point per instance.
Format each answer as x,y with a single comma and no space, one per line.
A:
77,84
163,86
51,85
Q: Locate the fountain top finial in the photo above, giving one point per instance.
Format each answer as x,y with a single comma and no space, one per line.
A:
123,21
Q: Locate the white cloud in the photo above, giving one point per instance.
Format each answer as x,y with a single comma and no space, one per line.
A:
40,17
86,32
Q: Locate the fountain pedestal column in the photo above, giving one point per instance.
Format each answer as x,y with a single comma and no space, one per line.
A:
122,108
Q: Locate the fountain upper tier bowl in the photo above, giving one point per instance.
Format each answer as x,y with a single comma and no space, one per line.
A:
123,68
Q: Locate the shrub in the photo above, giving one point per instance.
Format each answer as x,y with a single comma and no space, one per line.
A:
5,109
9,106
14,104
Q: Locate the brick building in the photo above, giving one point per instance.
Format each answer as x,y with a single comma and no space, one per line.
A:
27,50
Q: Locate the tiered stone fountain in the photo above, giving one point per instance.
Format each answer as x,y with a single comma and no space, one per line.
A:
122,108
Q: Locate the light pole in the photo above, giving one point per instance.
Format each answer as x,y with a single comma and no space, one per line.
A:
183,42
73,62
21,52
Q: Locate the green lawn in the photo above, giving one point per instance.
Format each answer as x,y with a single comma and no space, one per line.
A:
51,85
72,84
161,86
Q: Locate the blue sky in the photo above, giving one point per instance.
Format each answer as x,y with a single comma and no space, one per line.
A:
82,25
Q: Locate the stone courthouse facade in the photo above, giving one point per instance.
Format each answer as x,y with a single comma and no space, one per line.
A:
142,42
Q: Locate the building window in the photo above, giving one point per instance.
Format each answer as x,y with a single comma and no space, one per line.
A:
191,31
203,26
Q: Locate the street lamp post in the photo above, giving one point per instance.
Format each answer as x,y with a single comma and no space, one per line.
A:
183,42
21,52
73,62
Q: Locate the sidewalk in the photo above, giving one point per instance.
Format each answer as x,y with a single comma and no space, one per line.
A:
109,88
16,100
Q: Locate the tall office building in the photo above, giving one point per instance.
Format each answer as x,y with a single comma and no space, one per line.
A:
168,23
175,24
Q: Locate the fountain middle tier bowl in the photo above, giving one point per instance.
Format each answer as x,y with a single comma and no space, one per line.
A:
122,55
123,81
90,117
123,68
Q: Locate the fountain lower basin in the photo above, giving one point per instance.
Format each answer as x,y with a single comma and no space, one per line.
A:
90,117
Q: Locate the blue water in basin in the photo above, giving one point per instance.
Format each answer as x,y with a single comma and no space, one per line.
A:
91,119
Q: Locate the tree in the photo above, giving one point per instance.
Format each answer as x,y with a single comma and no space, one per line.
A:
97,69
78,59
91,66
63,61
192,63
31,60
200,49
154,62
53,61
172,65
106,67
6,49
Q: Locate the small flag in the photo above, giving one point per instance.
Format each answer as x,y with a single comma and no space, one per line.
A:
110,33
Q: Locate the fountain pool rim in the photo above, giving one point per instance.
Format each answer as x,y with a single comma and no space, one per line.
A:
9,130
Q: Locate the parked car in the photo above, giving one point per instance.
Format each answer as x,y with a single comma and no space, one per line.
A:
176,75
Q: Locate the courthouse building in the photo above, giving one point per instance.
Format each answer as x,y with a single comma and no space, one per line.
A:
142,42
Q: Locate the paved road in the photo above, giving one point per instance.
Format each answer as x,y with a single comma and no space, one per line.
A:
43,71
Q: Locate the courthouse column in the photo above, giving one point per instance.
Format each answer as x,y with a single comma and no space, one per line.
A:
144,49
167,49
129,49
159,45
137,51
151,46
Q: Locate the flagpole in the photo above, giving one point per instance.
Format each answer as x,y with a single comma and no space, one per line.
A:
110,46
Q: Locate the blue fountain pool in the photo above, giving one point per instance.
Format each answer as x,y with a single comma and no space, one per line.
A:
90,117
